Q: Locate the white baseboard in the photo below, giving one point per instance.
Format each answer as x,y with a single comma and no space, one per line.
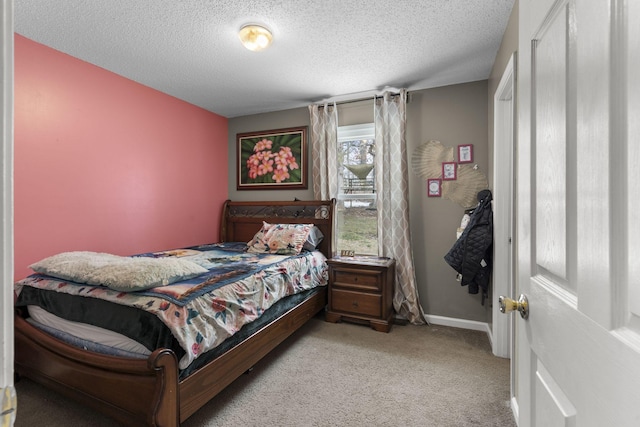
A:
515,409
8,404
459,323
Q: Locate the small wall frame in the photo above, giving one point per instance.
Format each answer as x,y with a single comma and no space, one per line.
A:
449,171
465,153
434,187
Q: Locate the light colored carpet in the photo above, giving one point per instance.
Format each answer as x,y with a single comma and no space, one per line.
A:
340,375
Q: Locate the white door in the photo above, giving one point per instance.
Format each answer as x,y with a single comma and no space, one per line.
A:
578,223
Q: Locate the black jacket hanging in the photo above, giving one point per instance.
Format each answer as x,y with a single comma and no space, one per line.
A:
471,255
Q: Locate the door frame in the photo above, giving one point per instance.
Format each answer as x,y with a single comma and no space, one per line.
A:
7,395
503,208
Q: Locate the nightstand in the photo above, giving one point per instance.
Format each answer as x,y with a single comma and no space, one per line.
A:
361,291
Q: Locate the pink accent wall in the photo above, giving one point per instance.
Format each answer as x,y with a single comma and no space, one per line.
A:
106,164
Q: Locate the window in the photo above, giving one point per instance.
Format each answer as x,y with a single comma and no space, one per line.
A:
357,218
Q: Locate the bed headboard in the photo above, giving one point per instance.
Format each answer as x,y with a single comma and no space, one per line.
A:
241,220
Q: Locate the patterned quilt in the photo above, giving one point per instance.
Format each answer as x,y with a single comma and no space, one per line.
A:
204,311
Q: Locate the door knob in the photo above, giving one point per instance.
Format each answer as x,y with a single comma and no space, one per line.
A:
507,305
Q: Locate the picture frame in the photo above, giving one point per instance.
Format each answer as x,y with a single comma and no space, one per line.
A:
465,153
434,187
272,159
449,171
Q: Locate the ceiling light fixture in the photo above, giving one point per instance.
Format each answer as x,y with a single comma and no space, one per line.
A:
255,37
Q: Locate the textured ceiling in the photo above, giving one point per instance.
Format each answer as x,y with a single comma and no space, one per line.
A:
336,49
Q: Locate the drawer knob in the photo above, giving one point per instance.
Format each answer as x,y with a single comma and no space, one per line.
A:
354,303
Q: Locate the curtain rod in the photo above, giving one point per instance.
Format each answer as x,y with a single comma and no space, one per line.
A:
369,98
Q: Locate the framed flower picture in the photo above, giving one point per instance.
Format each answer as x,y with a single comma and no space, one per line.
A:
272,160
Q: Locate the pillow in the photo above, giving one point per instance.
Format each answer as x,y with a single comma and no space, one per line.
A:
313,240
72,265
281,239
116,272
257,238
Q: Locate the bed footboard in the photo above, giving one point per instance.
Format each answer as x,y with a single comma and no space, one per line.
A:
133,391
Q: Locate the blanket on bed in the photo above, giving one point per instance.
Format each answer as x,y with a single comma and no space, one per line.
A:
204,311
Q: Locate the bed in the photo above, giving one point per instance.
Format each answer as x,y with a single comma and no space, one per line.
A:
154,390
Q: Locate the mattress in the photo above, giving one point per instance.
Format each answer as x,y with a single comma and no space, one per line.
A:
192,316
86,336
119,345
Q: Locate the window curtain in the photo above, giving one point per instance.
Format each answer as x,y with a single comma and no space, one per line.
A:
391,175
324,143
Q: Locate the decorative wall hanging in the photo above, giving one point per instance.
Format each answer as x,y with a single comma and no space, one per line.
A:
428,157
459,182
464,190
272,160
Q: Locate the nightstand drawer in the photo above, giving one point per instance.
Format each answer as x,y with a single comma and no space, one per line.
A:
357,279
356,302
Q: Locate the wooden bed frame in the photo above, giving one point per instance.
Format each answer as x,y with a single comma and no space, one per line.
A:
148,391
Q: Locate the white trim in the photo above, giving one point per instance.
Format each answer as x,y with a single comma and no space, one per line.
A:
503,203
353,132
516,410
458,323
6,202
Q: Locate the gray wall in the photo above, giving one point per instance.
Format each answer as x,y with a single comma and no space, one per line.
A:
260,122
454,115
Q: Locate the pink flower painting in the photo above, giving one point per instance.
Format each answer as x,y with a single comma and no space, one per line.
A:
272,159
